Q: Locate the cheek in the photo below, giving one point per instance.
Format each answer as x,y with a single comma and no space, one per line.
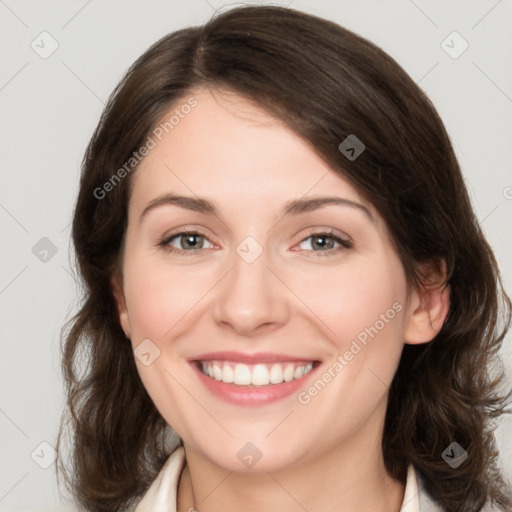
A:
362,311
361,307
352,298
158,296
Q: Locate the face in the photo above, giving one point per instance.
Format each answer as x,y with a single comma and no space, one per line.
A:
301,307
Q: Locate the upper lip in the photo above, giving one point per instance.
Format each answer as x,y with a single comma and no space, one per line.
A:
251,358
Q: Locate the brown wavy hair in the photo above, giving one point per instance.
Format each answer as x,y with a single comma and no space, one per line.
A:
325,83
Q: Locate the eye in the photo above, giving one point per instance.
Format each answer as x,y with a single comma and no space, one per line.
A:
325,242
191,242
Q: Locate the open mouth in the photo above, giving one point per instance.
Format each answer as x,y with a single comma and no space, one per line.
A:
241,374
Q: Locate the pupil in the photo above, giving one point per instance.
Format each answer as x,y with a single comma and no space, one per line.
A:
190,240
324,241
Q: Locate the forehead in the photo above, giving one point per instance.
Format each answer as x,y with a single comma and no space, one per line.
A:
229,148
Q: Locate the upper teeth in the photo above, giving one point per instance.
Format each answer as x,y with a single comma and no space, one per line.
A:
257,375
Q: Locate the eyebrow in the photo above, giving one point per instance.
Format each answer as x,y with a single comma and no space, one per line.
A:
294,207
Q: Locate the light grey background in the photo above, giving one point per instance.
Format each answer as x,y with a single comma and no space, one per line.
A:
51,106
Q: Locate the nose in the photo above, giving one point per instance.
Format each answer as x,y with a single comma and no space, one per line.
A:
252,299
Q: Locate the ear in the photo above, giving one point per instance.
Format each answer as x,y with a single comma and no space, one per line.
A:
117,289
428,306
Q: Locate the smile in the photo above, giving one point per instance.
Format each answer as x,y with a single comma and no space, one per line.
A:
241,374
253,379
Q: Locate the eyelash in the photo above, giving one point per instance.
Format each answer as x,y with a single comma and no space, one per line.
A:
335,235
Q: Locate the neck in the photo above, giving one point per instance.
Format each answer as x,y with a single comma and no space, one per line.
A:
350,477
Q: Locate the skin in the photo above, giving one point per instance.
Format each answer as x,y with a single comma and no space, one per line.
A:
322,456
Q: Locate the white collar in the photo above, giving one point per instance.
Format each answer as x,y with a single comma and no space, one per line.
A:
162,494
411,501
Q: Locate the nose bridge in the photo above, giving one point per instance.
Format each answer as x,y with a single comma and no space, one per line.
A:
250,295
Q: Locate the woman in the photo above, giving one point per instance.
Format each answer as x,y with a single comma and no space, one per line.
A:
289,302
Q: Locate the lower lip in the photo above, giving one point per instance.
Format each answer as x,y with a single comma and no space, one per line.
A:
252,395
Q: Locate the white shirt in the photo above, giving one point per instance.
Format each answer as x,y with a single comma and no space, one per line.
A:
162,494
